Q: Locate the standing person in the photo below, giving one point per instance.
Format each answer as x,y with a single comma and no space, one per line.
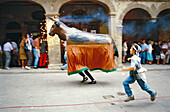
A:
168,54
22,53
43,51
1,63
130,48
36,50
144,48
65,57
7,48
125,48
62,51
116,54
149,56
165,50
164,47
28,50
137,72
15,54
157,50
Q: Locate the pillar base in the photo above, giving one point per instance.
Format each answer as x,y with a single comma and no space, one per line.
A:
54,66
119,65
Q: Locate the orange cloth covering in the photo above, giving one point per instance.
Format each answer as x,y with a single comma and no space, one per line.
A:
93,57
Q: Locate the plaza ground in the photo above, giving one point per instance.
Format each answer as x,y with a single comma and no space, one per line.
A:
43,90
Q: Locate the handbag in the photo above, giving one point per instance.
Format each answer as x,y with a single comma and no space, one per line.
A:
133,74
25,47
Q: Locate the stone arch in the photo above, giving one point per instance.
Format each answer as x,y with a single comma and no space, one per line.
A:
13,26
33,1
84,15
162,7
25,24
106,3
133,6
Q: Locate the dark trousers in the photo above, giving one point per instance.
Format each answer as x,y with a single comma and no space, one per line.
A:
87,73
29,58
1,62
15,58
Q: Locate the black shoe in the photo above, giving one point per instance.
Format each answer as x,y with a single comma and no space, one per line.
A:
92,82
35,67
84,79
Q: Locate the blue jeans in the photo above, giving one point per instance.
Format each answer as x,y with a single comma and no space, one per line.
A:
8,58
36,57
65,58
143,56
141,83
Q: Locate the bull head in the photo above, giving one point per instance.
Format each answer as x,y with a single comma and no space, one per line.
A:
57,23
54,28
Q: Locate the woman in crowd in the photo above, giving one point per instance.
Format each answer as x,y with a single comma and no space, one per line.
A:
149,56
22,53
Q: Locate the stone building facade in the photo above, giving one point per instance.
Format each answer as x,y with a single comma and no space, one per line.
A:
119,13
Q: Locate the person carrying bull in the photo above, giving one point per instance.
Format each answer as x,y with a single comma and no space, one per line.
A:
64,67
85,51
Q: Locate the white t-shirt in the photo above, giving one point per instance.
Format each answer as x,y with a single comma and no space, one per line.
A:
15,45
28,44
149,48
164,46
125,48
135,63
7,47
168,45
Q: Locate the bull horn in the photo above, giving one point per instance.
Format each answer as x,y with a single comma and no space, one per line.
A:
52,19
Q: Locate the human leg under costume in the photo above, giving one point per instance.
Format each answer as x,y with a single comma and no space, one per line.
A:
93,81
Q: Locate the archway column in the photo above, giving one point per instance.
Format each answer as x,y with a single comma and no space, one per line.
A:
112,25
54,50
113,31
119,28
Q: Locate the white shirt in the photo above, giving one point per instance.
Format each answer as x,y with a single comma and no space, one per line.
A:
7,47
164,46
168,44
135,63
125,48
15,45
149,49
65,44
28,44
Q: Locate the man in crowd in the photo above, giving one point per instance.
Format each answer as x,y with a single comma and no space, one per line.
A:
15,54
144,48
36,50
7,48
1,63
28,50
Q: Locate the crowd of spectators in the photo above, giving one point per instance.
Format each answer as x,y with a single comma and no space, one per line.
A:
31,52
151,51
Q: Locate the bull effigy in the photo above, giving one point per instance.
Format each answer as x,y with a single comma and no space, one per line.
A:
85,50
